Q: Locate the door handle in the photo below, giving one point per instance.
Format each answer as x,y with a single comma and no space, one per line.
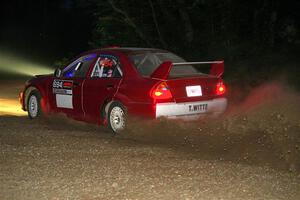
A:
76,84
109,86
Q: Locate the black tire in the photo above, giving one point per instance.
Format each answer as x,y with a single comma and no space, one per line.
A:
116,117
34,109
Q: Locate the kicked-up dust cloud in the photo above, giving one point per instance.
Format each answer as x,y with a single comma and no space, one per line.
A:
262,129
14,64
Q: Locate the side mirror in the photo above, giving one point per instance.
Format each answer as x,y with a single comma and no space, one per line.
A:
57,73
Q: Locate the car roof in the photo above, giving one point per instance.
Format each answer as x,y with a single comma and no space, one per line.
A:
127,50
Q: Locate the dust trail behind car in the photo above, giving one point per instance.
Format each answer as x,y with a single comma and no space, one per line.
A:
261,129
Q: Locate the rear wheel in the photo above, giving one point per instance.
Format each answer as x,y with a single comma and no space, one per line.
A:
117,117
34,105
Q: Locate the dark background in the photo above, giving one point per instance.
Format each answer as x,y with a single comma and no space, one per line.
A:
44,30
259,39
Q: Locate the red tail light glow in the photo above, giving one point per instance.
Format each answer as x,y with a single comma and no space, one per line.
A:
161,91
221,89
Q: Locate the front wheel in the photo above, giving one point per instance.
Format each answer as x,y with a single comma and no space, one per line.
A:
34,105
117,117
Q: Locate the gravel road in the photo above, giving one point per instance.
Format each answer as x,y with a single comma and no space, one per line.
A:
50,161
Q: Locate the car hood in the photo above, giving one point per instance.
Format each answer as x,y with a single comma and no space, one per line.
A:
43,76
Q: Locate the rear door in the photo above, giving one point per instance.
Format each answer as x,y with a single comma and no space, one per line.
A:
101,85
67,90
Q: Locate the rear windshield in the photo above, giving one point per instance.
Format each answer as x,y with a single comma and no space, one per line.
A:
147,62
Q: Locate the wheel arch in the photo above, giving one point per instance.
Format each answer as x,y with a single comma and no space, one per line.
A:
27,93
42,94
105,106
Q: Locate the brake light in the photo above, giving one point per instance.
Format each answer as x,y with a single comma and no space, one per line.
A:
161,91
221,89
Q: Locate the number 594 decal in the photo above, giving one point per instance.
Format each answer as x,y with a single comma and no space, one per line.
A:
63,93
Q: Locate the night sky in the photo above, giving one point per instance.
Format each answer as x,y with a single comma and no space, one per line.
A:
44,30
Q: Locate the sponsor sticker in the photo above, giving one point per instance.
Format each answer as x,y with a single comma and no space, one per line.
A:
198,107
62,91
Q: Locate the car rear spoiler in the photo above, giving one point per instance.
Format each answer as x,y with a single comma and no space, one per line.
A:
163,71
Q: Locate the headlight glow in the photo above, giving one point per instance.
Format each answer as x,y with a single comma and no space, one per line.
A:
16,65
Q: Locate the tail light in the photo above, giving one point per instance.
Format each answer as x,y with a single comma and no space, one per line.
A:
221,89
161,92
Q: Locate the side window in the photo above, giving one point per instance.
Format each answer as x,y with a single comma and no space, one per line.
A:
79,67
69,71
107,66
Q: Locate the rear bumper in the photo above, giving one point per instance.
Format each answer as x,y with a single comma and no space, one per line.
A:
192,110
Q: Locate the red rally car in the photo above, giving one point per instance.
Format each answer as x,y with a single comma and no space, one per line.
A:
104,86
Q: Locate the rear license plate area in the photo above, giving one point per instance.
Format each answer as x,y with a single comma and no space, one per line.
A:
193,91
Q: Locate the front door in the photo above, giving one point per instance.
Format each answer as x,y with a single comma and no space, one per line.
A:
67,89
